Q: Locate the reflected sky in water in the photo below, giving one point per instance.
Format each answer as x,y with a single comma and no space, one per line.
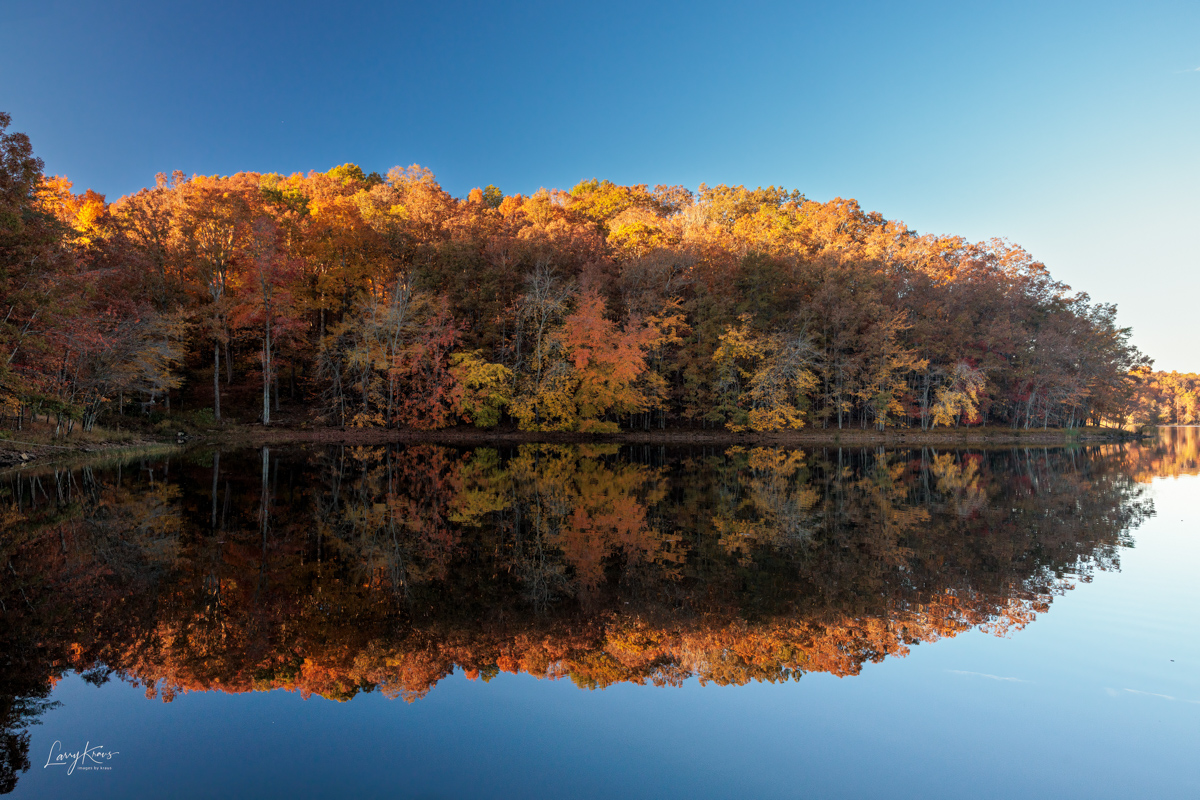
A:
637,622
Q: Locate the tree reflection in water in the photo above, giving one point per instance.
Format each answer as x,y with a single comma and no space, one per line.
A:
340,570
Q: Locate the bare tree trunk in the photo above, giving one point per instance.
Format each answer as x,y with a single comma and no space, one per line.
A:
216,470
217,380
266,358
925,404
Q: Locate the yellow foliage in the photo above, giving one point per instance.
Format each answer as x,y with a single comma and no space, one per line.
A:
485,388
591,369
762,380
959,399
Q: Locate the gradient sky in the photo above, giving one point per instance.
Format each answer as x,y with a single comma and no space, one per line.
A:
1068,128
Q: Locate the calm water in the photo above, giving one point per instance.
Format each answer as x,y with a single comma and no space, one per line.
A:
422,621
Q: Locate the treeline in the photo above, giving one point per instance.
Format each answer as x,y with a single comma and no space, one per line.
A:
1167,398
383,301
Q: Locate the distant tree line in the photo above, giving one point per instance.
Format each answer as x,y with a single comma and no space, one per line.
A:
1167,398
384,301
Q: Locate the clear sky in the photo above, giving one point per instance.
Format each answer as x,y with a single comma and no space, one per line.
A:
1068,128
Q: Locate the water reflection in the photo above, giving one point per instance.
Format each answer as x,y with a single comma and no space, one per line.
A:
341,570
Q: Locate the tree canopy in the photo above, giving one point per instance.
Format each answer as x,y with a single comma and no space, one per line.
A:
384,301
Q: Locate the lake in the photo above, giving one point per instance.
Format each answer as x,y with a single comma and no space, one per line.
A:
605,621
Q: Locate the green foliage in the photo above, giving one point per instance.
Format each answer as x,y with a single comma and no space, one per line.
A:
285,195
492,196
347,173
201,418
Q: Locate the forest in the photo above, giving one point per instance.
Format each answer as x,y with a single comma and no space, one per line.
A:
1167,398
350,299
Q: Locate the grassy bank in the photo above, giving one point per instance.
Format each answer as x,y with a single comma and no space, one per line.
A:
37,443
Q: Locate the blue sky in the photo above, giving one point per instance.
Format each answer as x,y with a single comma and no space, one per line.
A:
1069,128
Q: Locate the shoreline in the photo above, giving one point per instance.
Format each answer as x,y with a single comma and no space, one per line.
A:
15,454
258,436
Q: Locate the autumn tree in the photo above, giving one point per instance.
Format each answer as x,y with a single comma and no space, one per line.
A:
607,361
215,232
387,301
957,399
484,388
34,262
264,298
